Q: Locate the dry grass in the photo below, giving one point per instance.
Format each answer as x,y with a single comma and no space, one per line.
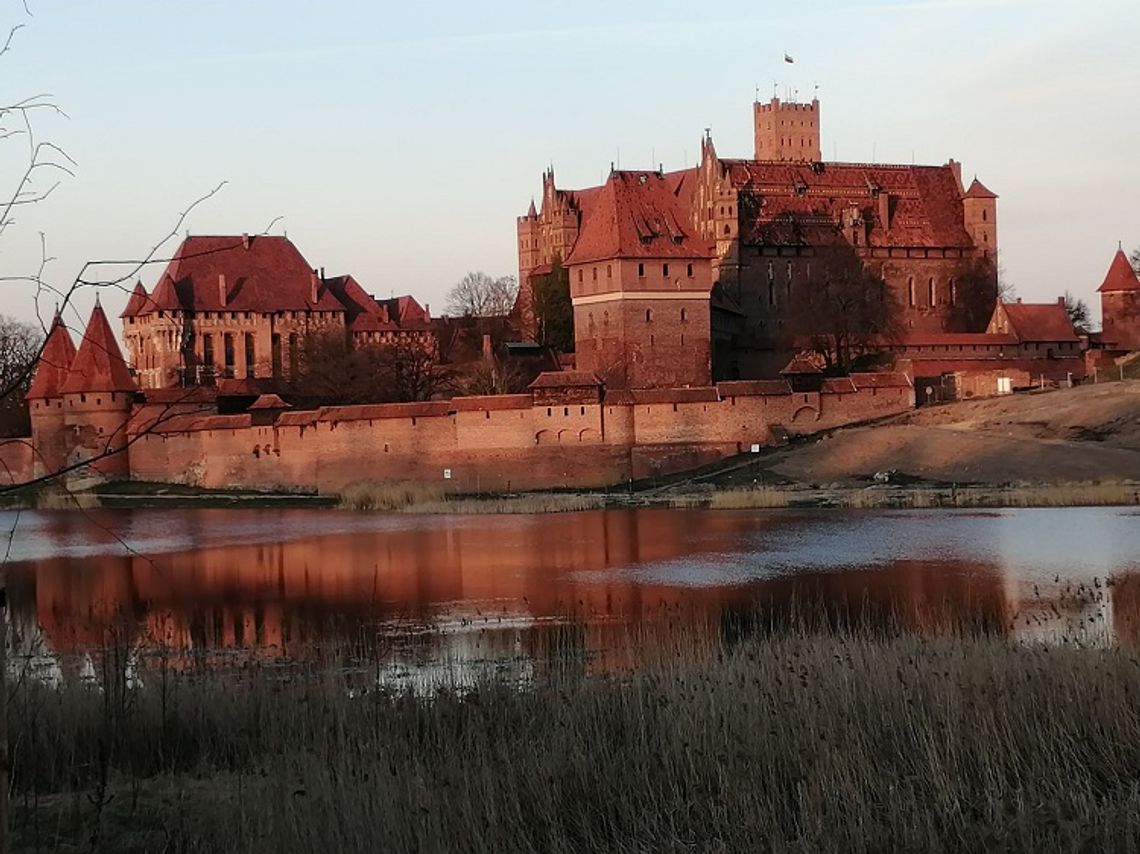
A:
921,497
411,497
792,740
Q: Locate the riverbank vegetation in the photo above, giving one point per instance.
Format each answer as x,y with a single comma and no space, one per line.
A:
805,738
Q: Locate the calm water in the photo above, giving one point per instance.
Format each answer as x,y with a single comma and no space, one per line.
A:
427,591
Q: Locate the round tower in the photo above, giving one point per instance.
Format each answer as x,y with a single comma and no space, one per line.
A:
45,401
97,399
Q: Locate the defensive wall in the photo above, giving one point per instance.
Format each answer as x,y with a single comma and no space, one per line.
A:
576,436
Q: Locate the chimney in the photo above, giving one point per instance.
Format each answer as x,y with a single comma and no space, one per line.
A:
956,168
885,209
222,288
314,294
322,275
427,311
1060,300
245,241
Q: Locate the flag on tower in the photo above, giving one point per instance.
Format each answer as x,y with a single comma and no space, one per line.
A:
788,58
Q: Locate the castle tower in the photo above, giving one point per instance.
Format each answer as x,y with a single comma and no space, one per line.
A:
97,398
787,131
45,401
979,209
530,257
1120,305
640,280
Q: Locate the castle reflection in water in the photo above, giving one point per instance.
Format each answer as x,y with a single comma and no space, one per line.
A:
455,589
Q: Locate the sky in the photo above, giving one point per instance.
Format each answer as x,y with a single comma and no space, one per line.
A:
399,142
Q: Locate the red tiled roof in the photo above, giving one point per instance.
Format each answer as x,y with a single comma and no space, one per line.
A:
269,402
98,364
618,397
753,388
384,410
137,302
881,379
675,395
978,190
1121,276
565,379
54,363
491,402
950,339
1040,322
637,215
803,204
837,385
263,273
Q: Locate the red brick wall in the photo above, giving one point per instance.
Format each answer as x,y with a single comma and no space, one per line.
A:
15,460
1120,311
496,447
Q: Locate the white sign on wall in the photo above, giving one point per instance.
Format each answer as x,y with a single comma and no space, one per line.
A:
447,474
755,449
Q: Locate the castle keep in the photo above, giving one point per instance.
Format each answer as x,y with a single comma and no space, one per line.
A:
749,229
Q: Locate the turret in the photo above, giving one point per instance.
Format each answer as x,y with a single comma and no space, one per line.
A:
787,131
1120,305
979,209
97,398
45,401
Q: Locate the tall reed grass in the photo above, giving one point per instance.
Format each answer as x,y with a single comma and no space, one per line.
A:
421,498
764,738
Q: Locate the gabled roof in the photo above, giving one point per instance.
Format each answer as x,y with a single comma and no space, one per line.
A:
99,364
565,379
270,402
1121,276
802,204
978,190
55,361
137,303
261,273
1048,322
637,215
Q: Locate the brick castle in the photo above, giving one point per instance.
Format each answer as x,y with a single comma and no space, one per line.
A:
680,284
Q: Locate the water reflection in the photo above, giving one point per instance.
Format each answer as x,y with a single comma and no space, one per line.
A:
521,589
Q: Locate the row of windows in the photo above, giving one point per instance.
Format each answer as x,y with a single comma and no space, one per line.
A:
931,293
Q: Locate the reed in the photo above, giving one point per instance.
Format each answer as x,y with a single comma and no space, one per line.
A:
391,495
766,737
530,503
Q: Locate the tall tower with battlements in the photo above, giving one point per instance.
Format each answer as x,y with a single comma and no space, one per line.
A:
787,131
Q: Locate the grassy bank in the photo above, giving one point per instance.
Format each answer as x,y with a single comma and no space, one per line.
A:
411,497
792,740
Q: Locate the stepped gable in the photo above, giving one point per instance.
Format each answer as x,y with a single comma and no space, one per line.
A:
1121,276
98,365
1040,322
54,363
262,273
137,303
805,204
637,215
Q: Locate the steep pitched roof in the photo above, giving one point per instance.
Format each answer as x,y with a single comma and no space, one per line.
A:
262,273
1121,276
1047,322
137,303
978,190
99,364
55,361
637,215
802,204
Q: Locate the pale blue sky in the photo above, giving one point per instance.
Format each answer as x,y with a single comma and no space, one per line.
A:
400,141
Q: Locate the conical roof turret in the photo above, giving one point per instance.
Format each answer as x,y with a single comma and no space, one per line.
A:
99,363
1121,276
137,304
54,363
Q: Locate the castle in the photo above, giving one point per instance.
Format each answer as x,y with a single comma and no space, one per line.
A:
679,277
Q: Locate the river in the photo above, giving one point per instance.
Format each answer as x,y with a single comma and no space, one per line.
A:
430,591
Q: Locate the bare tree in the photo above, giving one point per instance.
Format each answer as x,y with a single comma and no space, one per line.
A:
977,287
332,372
843,308
1135,259
480,295
1079,313
20,345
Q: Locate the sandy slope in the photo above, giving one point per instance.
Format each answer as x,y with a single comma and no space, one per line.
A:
1088,433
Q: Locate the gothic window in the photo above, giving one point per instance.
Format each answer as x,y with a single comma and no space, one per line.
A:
910,292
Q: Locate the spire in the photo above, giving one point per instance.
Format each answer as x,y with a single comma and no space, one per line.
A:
532,213
137,302
1121,276
978,190
54,363
99,364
